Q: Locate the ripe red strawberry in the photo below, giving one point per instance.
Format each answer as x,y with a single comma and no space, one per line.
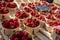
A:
20,35
31,5
28,9
24,38
23,4
31,22
16,24
21,15
35,14
5,11
11,5
42,18
52,11
17,14
54,8
0,10
13,37
58,22
16,38
57,16
25,34
3,4
44,3
37,3
4,23
48,16
50,5
53,23
57,31
10,24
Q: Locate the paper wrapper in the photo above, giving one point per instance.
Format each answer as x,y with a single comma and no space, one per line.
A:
20,20
12,9
4,16
18,0
8,32
30,30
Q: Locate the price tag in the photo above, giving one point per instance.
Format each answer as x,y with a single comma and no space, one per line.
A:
42,8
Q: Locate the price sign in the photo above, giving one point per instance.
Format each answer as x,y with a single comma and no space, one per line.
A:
42,8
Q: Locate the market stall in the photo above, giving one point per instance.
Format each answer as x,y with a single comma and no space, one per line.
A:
29,20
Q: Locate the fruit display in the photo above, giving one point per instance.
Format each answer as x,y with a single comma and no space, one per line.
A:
10,25
21,35
22,15
20,20
12,6
4,12
32,23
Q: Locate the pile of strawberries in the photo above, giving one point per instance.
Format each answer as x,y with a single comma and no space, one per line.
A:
5,4
32,23
11,23
3,9
52,17
20,35
21,14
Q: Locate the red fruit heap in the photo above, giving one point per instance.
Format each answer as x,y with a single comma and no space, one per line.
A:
54,8
44,3
35,14
31,5
2,4
37,3
50,5
32,23
23,4
57,31
49,16
58,22
27,9
11,5
1,10
43,13
9,0
10,24
52,11
52,24
21,15
20,35
42,18
4,11
57,16
55,23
